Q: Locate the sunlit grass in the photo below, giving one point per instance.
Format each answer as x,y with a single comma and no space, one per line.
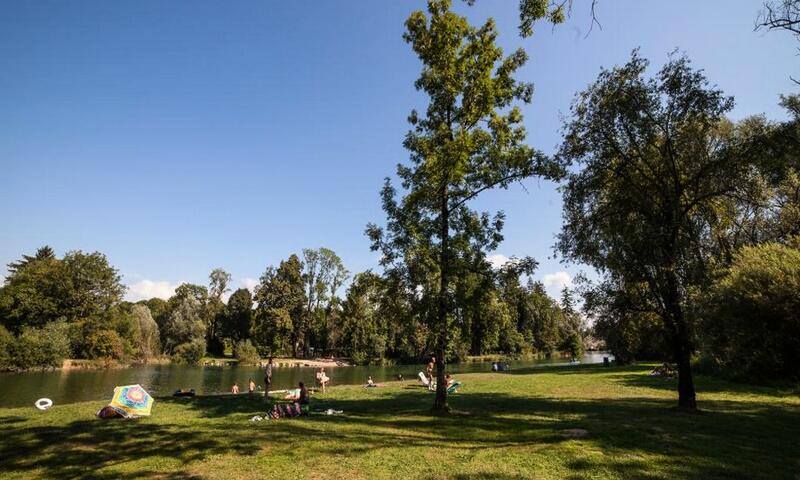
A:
507,425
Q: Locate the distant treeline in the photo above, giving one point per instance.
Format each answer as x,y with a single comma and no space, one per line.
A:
71,307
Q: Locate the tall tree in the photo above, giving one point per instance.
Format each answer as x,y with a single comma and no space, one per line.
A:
280,313
238,316
323,274
656,160
218,281
39,291
469,140
43,253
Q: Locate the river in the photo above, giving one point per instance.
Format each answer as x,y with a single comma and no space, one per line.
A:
69,386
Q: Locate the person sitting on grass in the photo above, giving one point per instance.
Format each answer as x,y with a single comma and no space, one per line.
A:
303,398
299,407
370,383
235,388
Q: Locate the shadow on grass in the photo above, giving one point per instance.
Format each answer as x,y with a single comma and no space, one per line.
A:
729,439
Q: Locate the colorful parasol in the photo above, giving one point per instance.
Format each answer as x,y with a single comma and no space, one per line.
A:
131,401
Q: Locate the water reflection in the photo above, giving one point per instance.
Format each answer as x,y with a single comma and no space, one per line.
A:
68,386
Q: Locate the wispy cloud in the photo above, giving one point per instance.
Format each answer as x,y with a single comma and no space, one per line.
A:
146,289
555,282
249,283
497,260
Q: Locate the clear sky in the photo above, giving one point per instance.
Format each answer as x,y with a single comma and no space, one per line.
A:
180,136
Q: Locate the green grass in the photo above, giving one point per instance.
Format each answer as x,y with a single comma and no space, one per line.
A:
507,426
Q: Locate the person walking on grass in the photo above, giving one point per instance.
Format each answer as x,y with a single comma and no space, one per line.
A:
267,377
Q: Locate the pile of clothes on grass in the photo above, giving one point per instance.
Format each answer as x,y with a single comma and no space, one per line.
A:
666,371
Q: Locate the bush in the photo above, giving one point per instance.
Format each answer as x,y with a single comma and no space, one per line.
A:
105,344
190,352
632,336
246,353
41,347
6,344
751,321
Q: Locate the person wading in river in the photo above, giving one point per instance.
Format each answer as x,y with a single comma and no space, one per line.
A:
267,377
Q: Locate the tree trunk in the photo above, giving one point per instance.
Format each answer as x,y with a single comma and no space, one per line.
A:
686,394
440,403
681,346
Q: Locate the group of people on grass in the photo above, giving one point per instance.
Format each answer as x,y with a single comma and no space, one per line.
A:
300,396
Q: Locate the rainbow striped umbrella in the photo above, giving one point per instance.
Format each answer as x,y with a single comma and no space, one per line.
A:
131,401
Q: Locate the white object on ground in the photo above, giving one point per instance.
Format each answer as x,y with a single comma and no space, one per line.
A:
424,379
331,411
43,403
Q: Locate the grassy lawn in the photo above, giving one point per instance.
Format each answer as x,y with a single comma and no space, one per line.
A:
508,426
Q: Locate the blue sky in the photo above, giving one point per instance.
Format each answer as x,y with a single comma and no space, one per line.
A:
176,137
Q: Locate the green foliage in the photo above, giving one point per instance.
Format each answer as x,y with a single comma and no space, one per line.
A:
363,337
185,323
190,352
323,275
632,336
246,353
280,316
656,155
104,344
238,316
6,348
469,139
41,347
42,289
751,325
147,341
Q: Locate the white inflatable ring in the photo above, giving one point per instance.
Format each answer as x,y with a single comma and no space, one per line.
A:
43,403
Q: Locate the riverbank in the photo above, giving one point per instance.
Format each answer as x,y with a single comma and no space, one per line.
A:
580,422
281,362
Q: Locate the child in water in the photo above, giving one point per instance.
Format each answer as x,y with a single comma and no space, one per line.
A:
235,388
251,387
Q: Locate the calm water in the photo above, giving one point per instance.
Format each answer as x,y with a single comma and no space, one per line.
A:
20,389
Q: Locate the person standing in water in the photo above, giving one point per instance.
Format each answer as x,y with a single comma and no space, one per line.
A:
267,377
251,386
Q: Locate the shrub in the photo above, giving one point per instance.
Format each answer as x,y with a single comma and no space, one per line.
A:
6,344
632,336
105,344
246,353
751,323
41,347
190,352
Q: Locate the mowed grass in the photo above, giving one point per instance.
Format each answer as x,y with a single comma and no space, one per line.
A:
506,426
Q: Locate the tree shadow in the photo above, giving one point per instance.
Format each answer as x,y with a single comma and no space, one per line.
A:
82,447
728,439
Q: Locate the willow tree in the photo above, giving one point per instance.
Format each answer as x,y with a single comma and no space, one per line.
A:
658,159
470,139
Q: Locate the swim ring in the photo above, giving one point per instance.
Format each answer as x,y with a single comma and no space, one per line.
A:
43,403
